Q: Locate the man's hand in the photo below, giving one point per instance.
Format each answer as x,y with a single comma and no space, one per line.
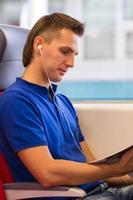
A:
126,161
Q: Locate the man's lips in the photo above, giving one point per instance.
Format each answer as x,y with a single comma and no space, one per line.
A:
63,70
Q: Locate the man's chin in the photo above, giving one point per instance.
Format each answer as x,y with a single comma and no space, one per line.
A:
57,79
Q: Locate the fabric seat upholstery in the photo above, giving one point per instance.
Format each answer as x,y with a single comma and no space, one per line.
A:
12,43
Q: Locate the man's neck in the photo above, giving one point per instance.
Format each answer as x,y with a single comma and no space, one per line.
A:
35,77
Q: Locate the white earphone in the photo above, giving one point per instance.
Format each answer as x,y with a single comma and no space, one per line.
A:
44,64
40,49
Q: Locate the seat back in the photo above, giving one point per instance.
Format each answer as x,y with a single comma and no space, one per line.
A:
2,43
12,40
2,46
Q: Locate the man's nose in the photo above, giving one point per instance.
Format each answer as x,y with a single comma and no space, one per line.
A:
70,61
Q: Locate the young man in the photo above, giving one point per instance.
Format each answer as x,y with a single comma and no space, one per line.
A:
39,132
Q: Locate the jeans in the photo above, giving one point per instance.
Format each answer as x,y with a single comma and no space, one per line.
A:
104,192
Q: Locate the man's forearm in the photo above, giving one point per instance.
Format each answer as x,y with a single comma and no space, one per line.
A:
62,172
53,172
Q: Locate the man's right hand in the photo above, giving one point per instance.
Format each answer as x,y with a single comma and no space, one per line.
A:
126,162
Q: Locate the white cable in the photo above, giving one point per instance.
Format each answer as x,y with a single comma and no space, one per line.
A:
70,130
49,81
59,108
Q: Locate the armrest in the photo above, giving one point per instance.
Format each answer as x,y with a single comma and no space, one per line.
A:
31,190
2,192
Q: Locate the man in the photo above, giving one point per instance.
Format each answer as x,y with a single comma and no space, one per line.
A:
39,132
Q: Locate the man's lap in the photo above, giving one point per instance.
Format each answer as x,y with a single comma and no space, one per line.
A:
121,193
105,193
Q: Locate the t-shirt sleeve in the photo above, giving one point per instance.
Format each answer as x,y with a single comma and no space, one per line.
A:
22,124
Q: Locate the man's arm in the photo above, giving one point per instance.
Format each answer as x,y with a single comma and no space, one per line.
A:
89,155
53,172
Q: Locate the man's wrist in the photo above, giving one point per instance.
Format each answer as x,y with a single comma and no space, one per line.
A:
111,170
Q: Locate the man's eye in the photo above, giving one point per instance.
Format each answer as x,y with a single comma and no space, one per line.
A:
65,52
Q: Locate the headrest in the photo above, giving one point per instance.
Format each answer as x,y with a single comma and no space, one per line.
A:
11,62
2,43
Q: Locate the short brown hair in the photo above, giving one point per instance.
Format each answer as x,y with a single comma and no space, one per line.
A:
50,24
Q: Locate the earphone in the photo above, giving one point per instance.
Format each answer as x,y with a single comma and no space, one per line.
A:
40,49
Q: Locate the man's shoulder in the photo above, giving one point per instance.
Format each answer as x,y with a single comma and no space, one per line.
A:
15,89
12,87
11,94
14,94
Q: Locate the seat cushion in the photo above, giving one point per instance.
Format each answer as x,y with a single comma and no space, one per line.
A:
2,193
5,173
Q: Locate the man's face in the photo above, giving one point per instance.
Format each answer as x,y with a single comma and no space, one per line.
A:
59,54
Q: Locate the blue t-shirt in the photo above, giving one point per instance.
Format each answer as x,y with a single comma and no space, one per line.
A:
29,118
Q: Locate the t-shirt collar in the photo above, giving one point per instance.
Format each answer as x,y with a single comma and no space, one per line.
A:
33,86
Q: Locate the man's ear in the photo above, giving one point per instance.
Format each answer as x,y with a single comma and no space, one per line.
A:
36,44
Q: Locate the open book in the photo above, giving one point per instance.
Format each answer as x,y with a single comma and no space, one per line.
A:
107,127
113,158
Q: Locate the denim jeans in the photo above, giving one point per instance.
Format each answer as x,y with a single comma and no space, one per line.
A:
104,192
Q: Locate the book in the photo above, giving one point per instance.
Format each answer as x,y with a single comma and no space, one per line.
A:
107,128
113,158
